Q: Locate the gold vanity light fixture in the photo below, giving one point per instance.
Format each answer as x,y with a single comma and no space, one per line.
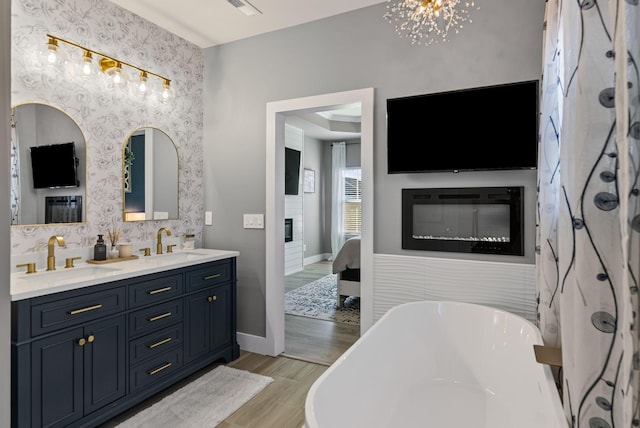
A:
428,21
110,66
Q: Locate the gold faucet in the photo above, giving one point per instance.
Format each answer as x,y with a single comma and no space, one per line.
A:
159,246
51,259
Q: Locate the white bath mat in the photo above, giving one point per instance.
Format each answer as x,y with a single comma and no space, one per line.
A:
203,403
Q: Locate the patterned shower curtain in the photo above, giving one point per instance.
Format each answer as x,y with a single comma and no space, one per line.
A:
588,213
14,159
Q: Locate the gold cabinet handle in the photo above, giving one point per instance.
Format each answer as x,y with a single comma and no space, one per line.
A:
31,267
160,290
159,369
82,341
79,311
162,342
212,298
91,338
207,278
159,317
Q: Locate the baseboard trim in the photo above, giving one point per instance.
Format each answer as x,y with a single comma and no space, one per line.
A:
255,344
316,258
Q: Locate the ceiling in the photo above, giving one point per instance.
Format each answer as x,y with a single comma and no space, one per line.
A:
208,23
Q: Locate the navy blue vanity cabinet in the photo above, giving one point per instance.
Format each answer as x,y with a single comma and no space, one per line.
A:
210,322
82,357
76,362
77,372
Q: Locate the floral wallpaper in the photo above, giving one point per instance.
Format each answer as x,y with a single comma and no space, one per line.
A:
106,116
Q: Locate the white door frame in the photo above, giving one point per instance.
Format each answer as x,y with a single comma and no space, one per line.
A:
274,228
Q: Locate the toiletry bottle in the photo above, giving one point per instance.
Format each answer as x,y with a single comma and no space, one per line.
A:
100,249
189,242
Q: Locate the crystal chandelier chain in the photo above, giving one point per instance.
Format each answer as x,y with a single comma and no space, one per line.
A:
428,21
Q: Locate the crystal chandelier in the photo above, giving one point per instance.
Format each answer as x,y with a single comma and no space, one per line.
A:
428,21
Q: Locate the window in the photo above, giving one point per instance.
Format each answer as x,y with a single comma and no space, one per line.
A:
352,201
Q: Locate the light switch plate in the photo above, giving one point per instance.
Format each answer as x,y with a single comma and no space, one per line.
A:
253,221
208,218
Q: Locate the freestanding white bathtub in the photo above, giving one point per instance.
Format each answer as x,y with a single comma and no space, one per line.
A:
439,364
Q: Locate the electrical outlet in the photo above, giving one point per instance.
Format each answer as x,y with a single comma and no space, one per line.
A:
208,218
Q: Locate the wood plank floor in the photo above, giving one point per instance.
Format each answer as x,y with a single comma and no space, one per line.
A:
281,403
310,347
314,340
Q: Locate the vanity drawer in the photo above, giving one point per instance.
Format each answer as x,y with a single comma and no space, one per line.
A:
55,315
211,274
155,369
160,315
155,290
155,343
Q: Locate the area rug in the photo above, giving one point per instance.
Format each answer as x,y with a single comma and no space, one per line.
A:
318,300
203,403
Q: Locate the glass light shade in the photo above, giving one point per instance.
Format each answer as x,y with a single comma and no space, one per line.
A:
51,55
142,87
166,94
117,76
86,66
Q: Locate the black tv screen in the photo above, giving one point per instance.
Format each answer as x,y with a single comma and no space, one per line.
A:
54,166
291,171
486,128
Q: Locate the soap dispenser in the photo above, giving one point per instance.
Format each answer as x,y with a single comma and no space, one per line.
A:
100,249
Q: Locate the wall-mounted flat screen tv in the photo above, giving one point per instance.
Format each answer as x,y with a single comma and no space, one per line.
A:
485,128
291,171
54,166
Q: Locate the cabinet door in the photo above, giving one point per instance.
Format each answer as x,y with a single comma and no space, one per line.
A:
104,368
56,383
197,328
208,326
221,312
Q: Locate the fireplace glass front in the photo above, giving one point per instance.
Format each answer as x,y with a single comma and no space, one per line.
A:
473,220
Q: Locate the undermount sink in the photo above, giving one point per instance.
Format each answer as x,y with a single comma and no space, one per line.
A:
67,273
175,257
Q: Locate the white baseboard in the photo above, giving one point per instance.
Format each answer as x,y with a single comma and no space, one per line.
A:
316,258
255,344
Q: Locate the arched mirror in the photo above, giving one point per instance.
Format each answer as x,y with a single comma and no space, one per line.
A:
149,176
48,166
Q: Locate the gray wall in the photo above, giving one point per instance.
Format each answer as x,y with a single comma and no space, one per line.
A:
313,203
5,308
354,50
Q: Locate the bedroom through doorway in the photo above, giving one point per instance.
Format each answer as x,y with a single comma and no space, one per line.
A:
277,112
319,326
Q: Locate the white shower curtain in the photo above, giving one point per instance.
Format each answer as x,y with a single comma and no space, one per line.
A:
588,212
338,163
14,160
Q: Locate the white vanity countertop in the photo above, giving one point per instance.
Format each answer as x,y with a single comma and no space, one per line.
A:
41,283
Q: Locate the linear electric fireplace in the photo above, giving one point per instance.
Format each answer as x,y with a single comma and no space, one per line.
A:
485,220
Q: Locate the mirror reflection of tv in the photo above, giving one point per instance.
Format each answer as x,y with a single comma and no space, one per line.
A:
54,166
291,171
484,128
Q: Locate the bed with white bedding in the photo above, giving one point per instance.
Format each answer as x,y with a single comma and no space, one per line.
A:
347,266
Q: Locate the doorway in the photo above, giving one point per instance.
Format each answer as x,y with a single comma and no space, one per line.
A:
274,230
